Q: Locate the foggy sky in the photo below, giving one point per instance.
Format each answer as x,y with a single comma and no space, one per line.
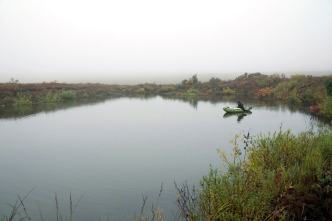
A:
104,40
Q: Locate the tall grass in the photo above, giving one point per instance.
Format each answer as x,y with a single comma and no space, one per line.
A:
277,176
19,211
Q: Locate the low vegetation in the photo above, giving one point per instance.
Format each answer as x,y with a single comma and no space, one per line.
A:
276,177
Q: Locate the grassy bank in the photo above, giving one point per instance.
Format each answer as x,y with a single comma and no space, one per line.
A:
275,177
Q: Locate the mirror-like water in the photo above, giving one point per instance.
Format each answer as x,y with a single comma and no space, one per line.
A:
116,151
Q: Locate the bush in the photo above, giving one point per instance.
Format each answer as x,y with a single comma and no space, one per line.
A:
262,93
284,89
191,81
273,78
326,111
298,77
256,74
148,87
140,90
192,92
329,88
293,99
307,96
261,82
227,91
168,88
214,80
67,95
49,97
275,177
22,99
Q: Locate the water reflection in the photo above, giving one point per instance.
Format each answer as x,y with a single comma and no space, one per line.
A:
194,101
267,105
240,116
23,111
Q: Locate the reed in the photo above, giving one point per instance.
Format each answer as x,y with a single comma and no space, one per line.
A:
154,214
72,208
17,209
20,212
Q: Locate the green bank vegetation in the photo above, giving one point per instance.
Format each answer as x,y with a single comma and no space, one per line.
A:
276,177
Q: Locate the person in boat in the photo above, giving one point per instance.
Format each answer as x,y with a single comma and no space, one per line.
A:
240,105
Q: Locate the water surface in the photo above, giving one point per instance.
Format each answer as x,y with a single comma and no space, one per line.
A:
116,151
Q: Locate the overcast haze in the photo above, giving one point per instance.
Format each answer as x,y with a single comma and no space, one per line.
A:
100,40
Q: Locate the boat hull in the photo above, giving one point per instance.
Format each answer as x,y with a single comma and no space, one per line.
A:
236,110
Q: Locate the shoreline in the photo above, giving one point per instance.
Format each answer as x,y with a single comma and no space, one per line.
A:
311,93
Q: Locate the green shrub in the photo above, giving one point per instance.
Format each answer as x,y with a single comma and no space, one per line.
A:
293,99
329,88
261,83
192,92
307,96
268,178
256,74
85,95
227,91
168,88
298,77
319,94
283,90
49,97
67,95
7,100
326,111
22,99
148,87
140,90
191,81
273,78
214,80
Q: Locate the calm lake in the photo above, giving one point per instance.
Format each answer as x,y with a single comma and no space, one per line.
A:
117,151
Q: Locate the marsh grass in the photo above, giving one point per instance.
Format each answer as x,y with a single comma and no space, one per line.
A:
18,209
280,176
20,212
186,201
155,213
72,208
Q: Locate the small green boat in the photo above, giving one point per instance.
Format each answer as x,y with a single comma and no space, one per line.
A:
236,109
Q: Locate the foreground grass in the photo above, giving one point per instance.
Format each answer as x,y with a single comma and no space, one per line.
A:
20,212
276,177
